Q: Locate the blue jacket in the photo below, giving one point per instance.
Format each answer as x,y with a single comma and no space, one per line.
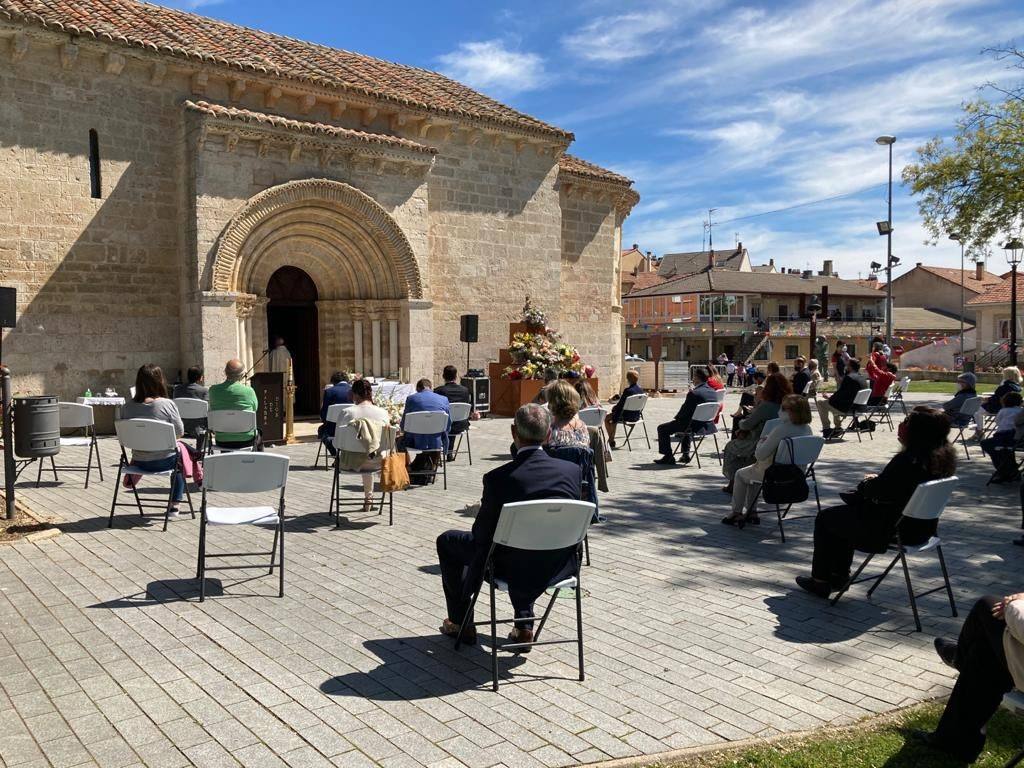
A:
426,401
632,389
333,395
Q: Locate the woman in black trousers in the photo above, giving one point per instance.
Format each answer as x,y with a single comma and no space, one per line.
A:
868,520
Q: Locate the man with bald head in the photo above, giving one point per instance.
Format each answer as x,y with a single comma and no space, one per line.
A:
233,394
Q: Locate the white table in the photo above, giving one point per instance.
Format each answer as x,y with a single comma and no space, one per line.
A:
102,426
395,391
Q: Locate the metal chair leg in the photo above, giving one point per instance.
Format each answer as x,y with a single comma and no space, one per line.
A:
945,576
273,549
465,618
494,640
852,579
469,447
910,591
99,461
280,570
547,612
647,437
579,622
881,578
117,487
202,560
718,451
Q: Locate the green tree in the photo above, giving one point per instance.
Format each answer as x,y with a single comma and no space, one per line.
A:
974,184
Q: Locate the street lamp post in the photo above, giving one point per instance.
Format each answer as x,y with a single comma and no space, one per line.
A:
888,141
958,238
1014,250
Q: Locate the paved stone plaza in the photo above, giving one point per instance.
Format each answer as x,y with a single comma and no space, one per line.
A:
695,632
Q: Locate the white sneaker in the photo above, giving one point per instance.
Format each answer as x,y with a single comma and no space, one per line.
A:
174,514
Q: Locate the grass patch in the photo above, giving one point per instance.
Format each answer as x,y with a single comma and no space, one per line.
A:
878,743
937,387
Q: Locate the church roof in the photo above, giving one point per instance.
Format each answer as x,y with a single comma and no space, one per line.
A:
187,35
322,129
578,167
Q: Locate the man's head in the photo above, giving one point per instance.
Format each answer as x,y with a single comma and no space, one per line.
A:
854,364
633,377
234,370
195,374
531,426
699,376
449,374
338,376
278,342
812,364
550,374
967,380
424,385
799,363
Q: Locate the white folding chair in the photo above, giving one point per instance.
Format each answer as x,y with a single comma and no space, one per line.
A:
593,416
860,404
333,417
147,435
195,409
243,473
966,416
904,386
76,416
634,406
535,526
461,412
704,413
346,439
234,422
720,395
927,503
804,452
429,423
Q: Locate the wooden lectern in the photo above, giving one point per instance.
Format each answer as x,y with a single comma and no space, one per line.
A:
270,395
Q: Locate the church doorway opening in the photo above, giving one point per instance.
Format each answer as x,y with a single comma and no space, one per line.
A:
291,314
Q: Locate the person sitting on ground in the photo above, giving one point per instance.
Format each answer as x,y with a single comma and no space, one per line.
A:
233,394
150,401
363,408
613,419
838,405
586,392
196,390
989,655
739,452
730,373
815,377
531,475
991,405
794,421
455,393
550,376
430,446
339,393
567,429
681,424
869,518
999,447
966,383
882,379
801,377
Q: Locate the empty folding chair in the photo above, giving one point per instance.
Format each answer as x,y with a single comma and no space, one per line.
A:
802,451
927,503
633,414
860,403
333,417
243,473
230,422
76,416
535,526
194,410
346,440
152,436
703,417
460,412
898,397
964,419
429,423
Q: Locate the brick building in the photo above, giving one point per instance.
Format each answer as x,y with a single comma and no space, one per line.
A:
175,188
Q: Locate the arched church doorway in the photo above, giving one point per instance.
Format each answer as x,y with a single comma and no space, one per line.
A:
291,314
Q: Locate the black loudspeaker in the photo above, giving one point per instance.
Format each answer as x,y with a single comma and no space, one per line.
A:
9,306
469,328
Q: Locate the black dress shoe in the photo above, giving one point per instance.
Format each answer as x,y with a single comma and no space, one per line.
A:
946,650
666,460
738,522
1019,541
815,587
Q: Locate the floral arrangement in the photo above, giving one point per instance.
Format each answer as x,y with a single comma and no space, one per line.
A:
535,352
533,315
394,408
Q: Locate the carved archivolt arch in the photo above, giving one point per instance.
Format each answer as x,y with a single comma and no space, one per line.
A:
369,233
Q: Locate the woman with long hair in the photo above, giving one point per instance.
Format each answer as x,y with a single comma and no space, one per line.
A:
739,452
871,515
150,401
586,392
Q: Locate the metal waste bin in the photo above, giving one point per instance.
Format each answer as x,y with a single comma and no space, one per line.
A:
36,427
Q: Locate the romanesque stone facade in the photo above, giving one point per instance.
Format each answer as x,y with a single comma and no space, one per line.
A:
148,195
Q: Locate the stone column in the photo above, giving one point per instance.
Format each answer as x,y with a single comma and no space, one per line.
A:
358,314
393,345
376,346
416,333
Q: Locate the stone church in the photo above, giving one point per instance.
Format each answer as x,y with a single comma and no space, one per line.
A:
177,190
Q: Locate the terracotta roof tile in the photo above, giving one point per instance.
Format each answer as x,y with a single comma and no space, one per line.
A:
579,167
953,275
729,281
645,280
263,118
177,33
1000,293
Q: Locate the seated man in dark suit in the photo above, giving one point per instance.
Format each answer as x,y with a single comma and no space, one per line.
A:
801,377
701,393
531,475
456,393
196,390
340,392
841,402
612,420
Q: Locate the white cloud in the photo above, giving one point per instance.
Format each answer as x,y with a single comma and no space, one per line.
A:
619,38
489,66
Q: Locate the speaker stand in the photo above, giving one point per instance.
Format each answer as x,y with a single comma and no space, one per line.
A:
467,357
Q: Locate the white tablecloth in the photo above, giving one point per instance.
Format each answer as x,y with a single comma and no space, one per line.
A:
117,401
393,390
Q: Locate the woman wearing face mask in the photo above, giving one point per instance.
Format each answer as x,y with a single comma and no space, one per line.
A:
868,519
794,421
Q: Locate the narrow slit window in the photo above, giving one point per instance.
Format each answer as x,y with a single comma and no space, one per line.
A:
95,182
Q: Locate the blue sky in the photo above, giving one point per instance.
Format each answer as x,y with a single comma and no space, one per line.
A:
744,106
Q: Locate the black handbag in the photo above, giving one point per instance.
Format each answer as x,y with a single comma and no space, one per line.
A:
784,483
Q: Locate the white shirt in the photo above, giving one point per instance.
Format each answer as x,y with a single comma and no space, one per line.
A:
364,410
278,359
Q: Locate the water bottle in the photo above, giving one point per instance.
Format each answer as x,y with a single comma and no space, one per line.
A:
88,392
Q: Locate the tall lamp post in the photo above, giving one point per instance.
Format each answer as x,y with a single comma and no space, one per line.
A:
1014,250
956,237
885,228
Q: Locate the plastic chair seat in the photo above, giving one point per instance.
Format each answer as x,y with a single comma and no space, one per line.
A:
132,469
569,583
241,516
76,441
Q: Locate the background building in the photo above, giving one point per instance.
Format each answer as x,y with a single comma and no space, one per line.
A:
938,288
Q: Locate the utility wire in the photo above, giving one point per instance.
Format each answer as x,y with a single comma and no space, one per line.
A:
804,205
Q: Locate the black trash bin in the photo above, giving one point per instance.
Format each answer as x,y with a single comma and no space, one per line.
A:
36,427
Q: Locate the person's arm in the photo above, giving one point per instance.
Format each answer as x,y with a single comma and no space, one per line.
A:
686,411
756,418
891,483
768,444
324,406
487,517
